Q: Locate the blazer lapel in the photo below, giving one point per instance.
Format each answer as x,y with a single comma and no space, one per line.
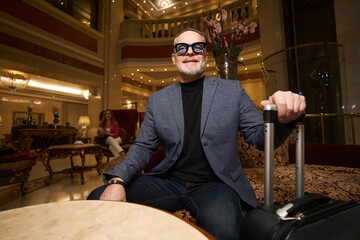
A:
174,95
210,85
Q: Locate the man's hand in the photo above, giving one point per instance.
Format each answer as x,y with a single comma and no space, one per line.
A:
290,105
114,192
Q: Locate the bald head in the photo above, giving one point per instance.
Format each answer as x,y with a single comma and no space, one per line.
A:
189,30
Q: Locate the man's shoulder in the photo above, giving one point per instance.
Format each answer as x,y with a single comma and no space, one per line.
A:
222,81
165,91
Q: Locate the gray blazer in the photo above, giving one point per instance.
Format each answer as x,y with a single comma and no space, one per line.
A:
226,109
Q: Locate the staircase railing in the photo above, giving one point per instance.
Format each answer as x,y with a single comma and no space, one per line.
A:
245,10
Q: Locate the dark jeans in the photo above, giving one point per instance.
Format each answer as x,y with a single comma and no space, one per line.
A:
215,206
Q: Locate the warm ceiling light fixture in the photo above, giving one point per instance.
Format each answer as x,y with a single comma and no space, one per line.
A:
13,79
86,93
164,3
57,88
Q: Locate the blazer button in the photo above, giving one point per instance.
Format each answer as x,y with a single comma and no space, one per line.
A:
205,144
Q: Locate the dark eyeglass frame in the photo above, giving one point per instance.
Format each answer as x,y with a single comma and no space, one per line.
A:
203,44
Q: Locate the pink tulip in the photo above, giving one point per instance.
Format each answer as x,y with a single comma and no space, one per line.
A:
223,14
246,30
217,28
241,27
253,25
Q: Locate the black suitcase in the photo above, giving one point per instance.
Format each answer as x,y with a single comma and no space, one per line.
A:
310,216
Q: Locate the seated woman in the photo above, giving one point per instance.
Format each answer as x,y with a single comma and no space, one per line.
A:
109,129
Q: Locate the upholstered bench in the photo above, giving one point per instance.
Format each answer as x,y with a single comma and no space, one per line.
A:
16,167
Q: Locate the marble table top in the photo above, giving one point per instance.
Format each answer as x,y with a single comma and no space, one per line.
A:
94,220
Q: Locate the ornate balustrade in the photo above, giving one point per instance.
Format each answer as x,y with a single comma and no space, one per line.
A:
167,28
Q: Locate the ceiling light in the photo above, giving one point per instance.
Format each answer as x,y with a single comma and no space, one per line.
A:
152,9
186,3
57,88
174,7
241,58
246,68
151,69
141,77
132,74
207,65
258,54
165,69
149,80
164,3
13,79
86,93
163,11
144,1
138,70
145,11
162,81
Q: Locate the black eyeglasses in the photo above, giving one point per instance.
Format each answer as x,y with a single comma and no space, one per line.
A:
182,48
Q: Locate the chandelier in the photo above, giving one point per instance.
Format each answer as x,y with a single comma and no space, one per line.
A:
164,3
13,79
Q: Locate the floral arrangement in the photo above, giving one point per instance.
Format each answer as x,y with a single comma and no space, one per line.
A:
216,36
56,114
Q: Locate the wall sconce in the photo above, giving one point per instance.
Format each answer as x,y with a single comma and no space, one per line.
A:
86,94
84,121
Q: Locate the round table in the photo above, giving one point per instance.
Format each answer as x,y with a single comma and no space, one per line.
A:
95,220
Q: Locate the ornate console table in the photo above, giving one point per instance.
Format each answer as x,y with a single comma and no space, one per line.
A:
48,134
62,151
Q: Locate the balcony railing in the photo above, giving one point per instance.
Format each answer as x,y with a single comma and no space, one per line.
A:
322,116
168,28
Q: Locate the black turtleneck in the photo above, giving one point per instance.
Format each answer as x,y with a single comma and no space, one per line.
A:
192,164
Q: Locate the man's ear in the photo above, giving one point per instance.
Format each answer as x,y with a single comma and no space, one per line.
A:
173,58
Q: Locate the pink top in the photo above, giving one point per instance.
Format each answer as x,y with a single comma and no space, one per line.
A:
113,129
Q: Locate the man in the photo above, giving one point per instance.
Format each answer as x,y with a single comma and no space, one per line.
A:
197,122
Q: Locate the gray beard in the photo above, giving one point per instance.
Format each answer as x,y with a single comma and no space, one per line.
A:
191,73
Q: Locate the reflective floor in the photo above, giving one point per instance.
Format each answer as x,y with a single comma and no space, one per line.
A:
62,188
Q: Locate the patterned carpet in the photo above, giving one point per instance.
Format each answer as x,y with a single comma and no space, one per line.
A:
340,183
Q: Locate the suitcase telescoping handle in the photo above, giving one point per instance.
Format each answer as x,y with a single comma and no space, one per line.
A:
270,117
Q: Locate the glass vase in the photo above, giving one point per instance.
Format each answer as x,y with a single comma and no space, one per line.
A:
226,66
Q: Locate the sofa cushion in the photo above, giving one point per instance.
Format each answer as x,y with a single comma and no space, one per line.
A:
19,156
329,154
6,151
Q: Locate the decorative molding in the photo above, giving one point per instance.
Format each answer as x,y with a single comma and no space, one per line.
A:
29,47
137,83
